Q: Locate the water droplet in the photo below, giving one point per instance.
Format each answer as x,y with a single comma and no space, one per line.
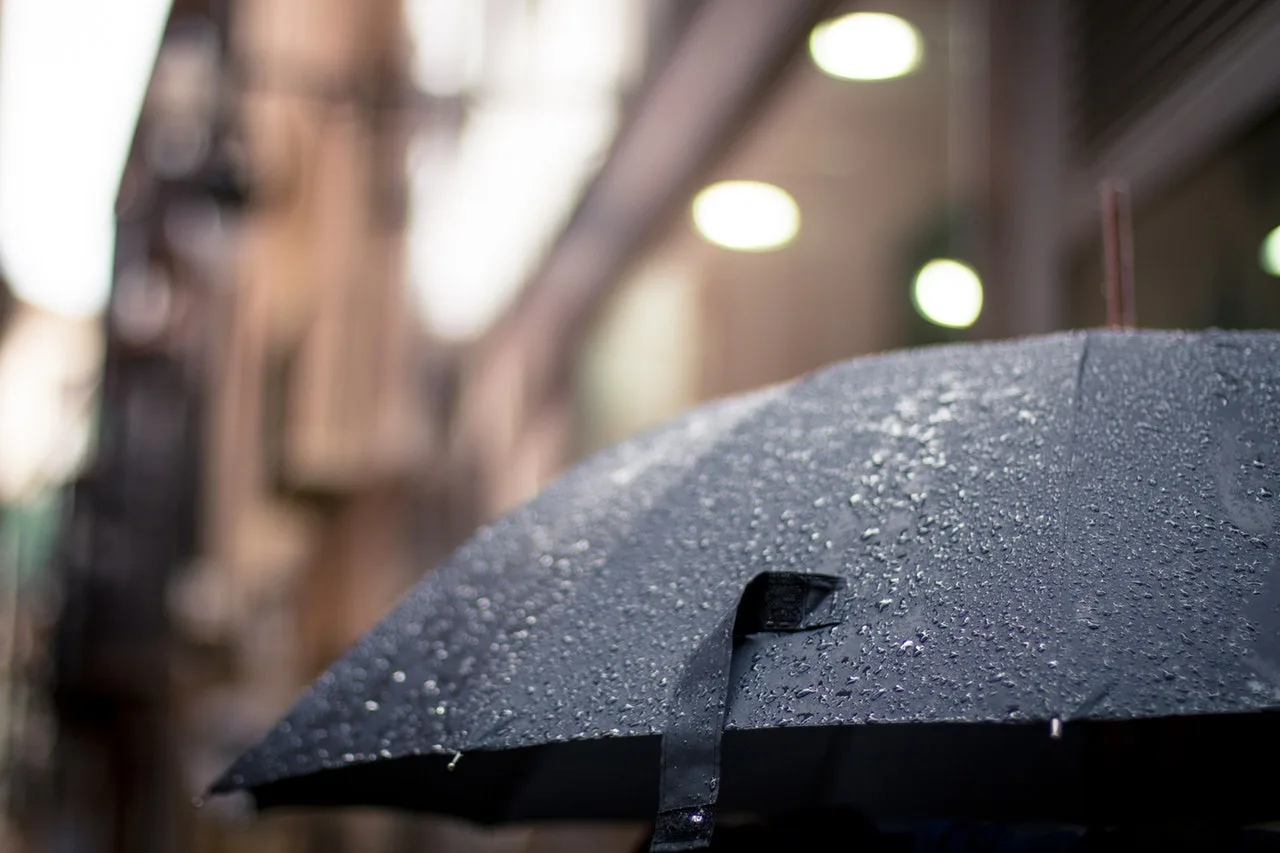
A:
398,676
371,705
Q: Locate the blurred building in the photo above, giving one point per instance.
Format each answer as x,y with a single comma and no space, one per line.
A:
383,269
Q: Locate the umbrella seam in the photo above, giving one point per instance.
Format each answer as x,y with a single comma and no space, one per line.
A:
1070,511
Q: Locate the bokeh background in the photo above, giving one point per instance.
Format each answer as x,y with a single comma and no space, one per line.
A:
297,293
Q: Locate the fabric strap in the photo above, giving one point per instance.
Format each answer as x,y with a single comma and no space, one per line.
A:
773,602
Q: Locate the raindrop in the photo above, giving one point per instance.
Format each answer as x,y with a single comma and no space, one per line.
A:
398,676
371,705
870,532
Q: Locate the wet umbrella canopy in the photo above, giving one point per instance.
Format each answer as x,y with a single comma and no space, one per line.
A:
1030,580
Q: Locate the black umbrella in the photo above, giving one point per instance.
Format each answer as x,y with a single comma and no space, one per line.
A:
1028,580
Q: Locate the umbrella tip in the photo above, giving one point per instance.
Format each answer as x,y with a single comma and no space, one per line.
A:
1055,728
1117,247
457,756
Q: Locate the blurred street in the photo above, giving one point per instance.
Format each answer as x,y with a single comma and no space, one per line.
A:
295,295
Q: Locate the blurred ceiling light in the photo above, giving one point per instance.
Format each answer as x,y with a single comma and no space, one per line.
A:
580,42
448,44
748,216
45,433
482,230
866,46
948,293
545,107
73,75
1269,254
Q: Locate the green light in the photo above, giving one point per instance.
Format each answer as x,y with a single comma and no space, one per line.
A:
948,293
1269,253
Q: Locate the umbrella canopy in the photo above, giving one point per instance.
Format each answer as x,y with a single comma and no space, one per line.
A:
1025,579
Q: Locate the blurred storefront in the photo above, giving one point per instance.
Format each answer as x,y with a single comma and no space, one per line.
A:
383,269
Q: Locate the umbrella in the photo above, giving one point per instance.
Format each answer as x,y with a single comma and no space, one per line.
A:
1030,580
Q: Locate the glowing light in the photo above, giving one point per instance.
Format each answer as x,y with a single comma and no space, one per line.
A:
866,46
542,86
449,44
484,219
73,74
948,293
44,360
748,216
1269,254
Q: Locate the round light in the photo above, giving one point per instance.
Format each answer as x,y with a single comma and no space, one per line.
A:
866,46
748,216
947,293
1269,253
